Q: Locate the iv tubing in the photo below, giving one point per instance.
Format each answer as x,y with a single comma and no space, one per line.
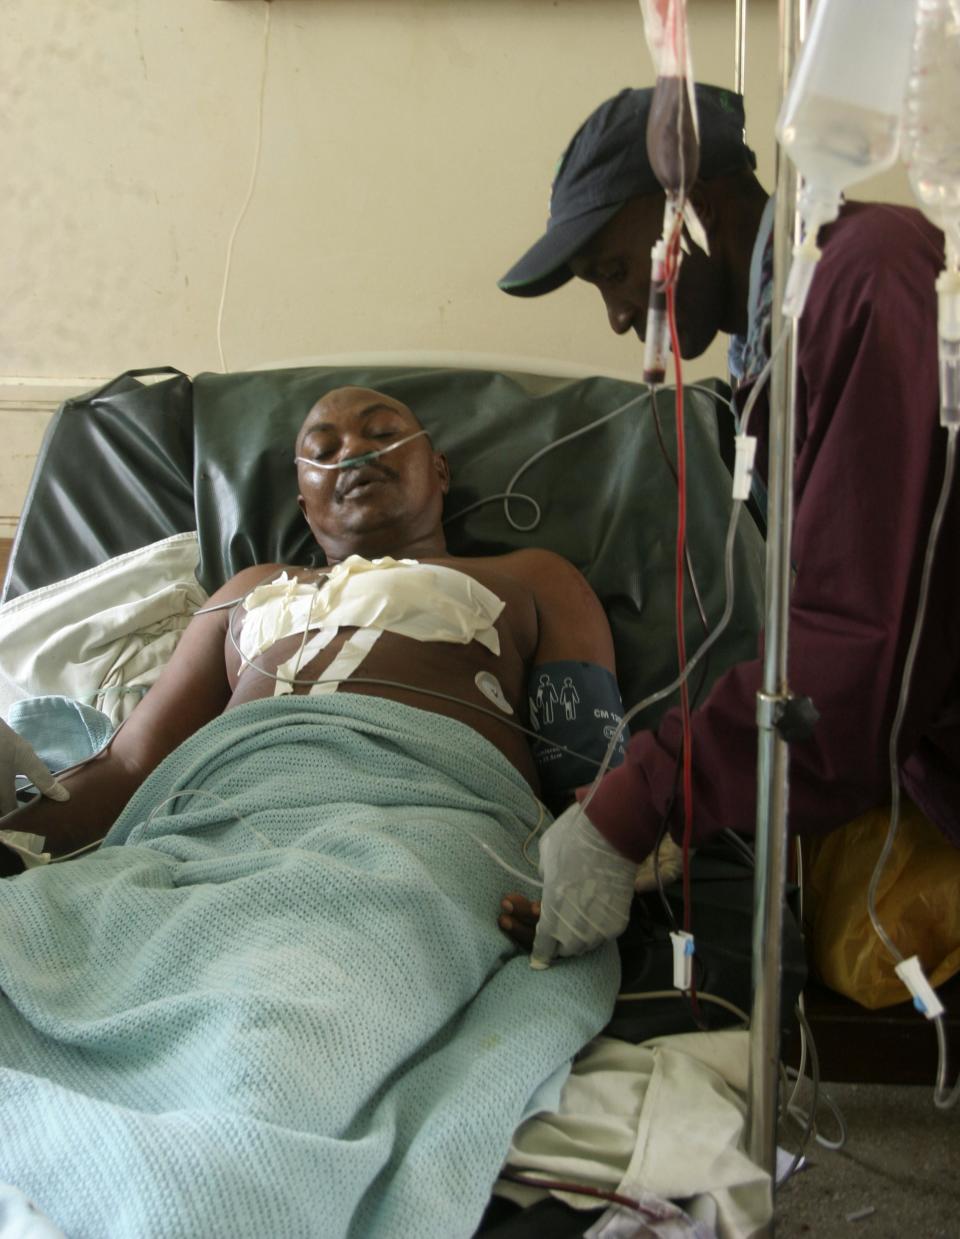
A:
905,680
507,495
942,1099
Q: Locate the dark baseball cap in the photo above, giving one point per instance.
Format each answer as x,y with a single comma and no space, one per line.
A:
606,164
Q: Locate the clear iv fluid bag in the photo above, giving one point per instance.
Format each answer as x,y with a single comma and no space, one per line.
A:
931,149
840,121
931,115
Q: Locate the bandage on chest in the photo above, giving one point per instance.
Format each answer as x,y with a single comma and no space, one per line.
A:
428,602
577,705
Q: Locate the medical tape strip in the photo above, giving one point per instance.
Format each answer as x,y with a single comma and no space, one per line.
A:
287,672
426,602
351,655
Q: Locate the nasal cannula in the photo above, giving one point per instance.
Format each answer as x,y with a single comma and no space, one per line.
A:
355,462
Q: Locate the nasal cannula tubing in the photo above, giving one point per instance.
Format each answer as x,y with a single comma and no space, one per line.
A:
354,462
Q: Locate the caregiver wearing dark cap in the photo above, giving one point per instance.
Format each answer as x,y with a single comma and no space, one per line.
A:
606,211
868,469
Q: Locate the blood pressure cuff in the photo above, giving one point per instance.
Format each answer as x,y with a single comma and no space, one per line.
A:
576,705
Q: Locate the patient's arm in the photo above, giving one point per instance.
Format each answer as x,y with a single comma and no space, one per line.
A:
571,622
572,625
192,689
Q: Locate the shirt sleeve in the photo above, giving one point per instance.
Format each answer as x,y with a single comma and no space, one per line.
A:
868,466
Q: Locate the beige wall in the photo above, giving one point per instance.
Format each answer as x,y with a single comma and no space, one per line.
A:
407,152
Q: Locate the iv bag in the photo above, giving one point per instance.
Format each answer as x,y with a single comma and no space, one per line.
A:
673,137
931,115
931,147
840,121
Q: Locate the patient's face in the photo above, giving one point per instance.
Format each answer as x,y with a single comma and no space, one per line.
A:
617,262
382,505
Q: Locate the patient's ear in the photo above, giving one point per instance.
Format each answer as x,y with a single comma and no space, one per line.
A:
302,505
442,466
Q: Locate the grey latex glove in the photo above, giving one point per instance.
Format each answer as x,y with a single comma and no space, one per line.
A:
587,889
18,757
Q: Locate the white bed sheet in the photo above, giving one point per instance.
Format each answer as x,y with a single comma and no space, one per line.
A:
102,636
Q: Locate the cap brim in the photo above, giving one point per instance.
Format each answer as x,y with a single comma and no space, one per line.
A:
544,266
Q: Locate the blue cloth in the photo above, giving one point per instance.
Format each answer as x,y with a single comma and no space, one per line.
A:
61,731
279,1003
755,346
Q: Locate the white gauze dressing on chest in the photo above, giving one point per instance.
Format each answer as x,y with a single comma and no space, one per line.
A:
427,602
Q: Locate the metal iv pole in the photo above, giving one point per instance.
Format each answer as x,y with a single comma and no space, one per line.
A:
740,46
775,696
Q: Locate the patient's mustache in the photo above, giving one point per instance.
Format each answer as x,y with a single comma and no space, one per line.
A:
350,479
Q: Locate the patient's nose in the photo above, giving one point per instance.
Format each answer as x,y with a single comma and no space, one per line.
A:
354,448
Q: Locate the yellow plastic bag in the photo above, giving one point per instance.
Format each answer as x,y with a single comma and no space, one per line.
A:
918,904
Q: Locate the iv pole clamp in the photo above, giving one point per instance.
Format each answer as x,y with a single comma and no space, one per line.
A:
793,718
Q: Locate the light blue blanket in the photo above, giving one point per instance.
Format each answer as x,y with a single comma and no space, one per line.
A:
281,1006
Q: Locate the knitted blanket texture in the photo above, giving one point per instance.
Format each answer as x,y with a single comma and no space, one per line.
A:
279,1004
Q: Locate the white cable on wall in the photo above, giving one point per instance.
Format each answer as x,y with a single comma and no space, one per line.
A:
250,187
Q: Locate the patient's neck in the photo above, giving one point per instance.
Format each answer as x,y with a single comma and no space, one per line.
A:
428,546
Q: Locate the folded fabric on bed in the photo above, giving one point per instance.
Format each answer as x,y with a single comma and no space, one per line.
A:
281,1005
103,636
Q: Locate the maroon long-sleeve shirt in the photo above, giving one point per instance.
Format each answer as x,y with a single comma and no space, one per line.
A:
869,463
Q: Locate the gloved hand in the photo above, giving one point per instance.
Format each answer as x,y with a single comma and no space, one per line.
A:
17,757
587,889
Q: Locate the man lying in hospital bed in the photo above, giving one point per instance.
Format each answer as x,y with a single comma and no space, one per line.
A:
276,1001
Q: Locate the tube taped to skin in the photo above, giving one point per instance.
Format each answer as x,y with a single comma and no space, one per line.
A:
355,462
351,655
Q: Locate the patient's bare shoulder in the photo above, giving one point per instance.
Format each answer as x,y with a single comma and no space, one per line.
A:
572,622
551,576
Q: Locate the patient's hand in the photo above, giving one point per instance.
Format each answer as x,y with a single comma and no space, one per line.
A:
518,919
